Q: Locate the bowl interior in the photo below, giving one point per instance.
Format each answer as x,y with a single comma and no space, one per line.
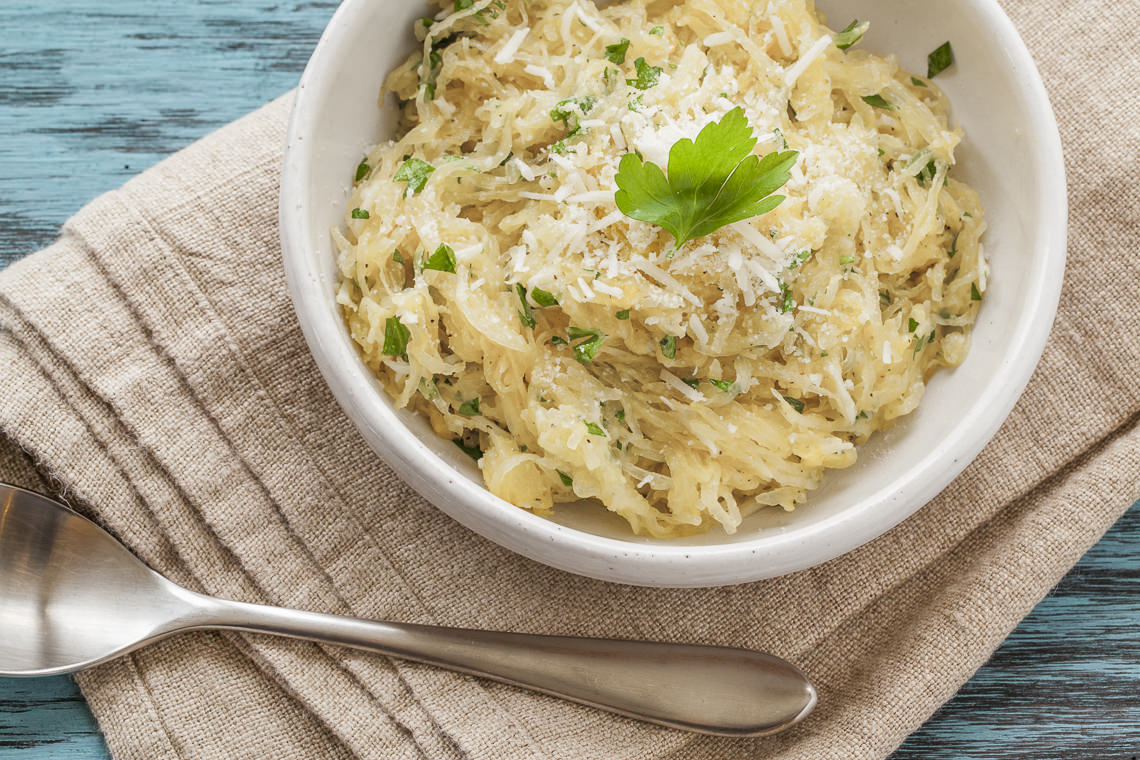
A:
1010,155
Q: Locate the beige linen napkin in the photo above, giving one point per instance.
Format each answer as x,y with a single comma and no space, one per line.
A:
152,372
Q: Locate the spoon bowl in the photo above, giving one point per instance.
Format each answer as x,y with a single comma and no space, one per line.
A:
72,596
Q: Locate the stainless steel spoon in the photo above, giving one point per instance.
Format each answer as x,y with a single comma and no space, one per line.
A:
71,596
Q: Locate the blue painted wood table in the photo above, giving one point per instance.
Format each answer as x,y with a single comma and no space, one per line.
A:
92,92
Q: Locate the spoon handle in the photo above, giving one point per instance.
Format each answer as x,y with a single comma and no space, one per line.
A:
716,690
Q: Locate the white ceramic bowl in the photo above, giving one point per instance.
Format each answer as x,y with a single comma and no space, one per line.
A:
1012,156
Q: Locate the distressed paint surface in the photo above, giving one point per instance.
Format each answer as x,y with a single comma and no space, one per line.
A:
93,92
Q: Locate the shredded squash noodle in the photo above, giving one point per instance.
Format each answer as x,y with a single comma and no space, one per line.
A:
493,285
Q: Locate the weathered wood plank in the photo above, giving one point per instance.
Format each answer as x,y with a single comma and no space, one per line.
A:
93,92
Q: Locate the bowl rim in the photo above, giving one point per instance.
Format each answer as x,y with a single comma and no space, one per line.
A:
631,561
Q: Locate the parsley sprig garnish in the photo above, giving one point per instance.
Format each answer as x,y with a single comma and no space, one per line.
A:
713,181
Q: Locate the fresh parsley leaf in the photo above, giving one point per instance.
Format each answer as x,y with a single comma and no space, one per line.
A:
912,324
474,452
415,172
469,408
542,298
587,350
359,213
566,479
713,181
362,170
795,403
595,429
658,30
852,34
623,314
615,53
558,340
647,76
443,260
395,337
669,346
462,5
723,385
878,101
526,314
975,295
940,59
620,415
917,82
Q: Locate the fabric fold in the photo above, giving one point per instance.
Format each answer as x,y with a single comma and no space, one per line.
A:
155,377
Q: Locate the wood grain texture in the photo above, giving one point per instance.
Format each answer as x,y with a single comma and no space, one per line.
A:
93,92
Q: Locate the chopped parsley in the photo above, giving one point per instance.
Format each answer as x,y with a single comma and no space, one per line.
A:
885,297
846,259
713,181
787,303
415,172
724,385
359,213
395,337
474,452
428,388
801,257
852,34
362,169
397,256
623,314
926,174
615,53
795,403
917,82
912,324
526,314
780,136
620,415
470,408
954,245
594,429
566,479
692,382
940,59
542,298
878,101
658,30
647,76
443,260
975,295
669,346
592,341
563,110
